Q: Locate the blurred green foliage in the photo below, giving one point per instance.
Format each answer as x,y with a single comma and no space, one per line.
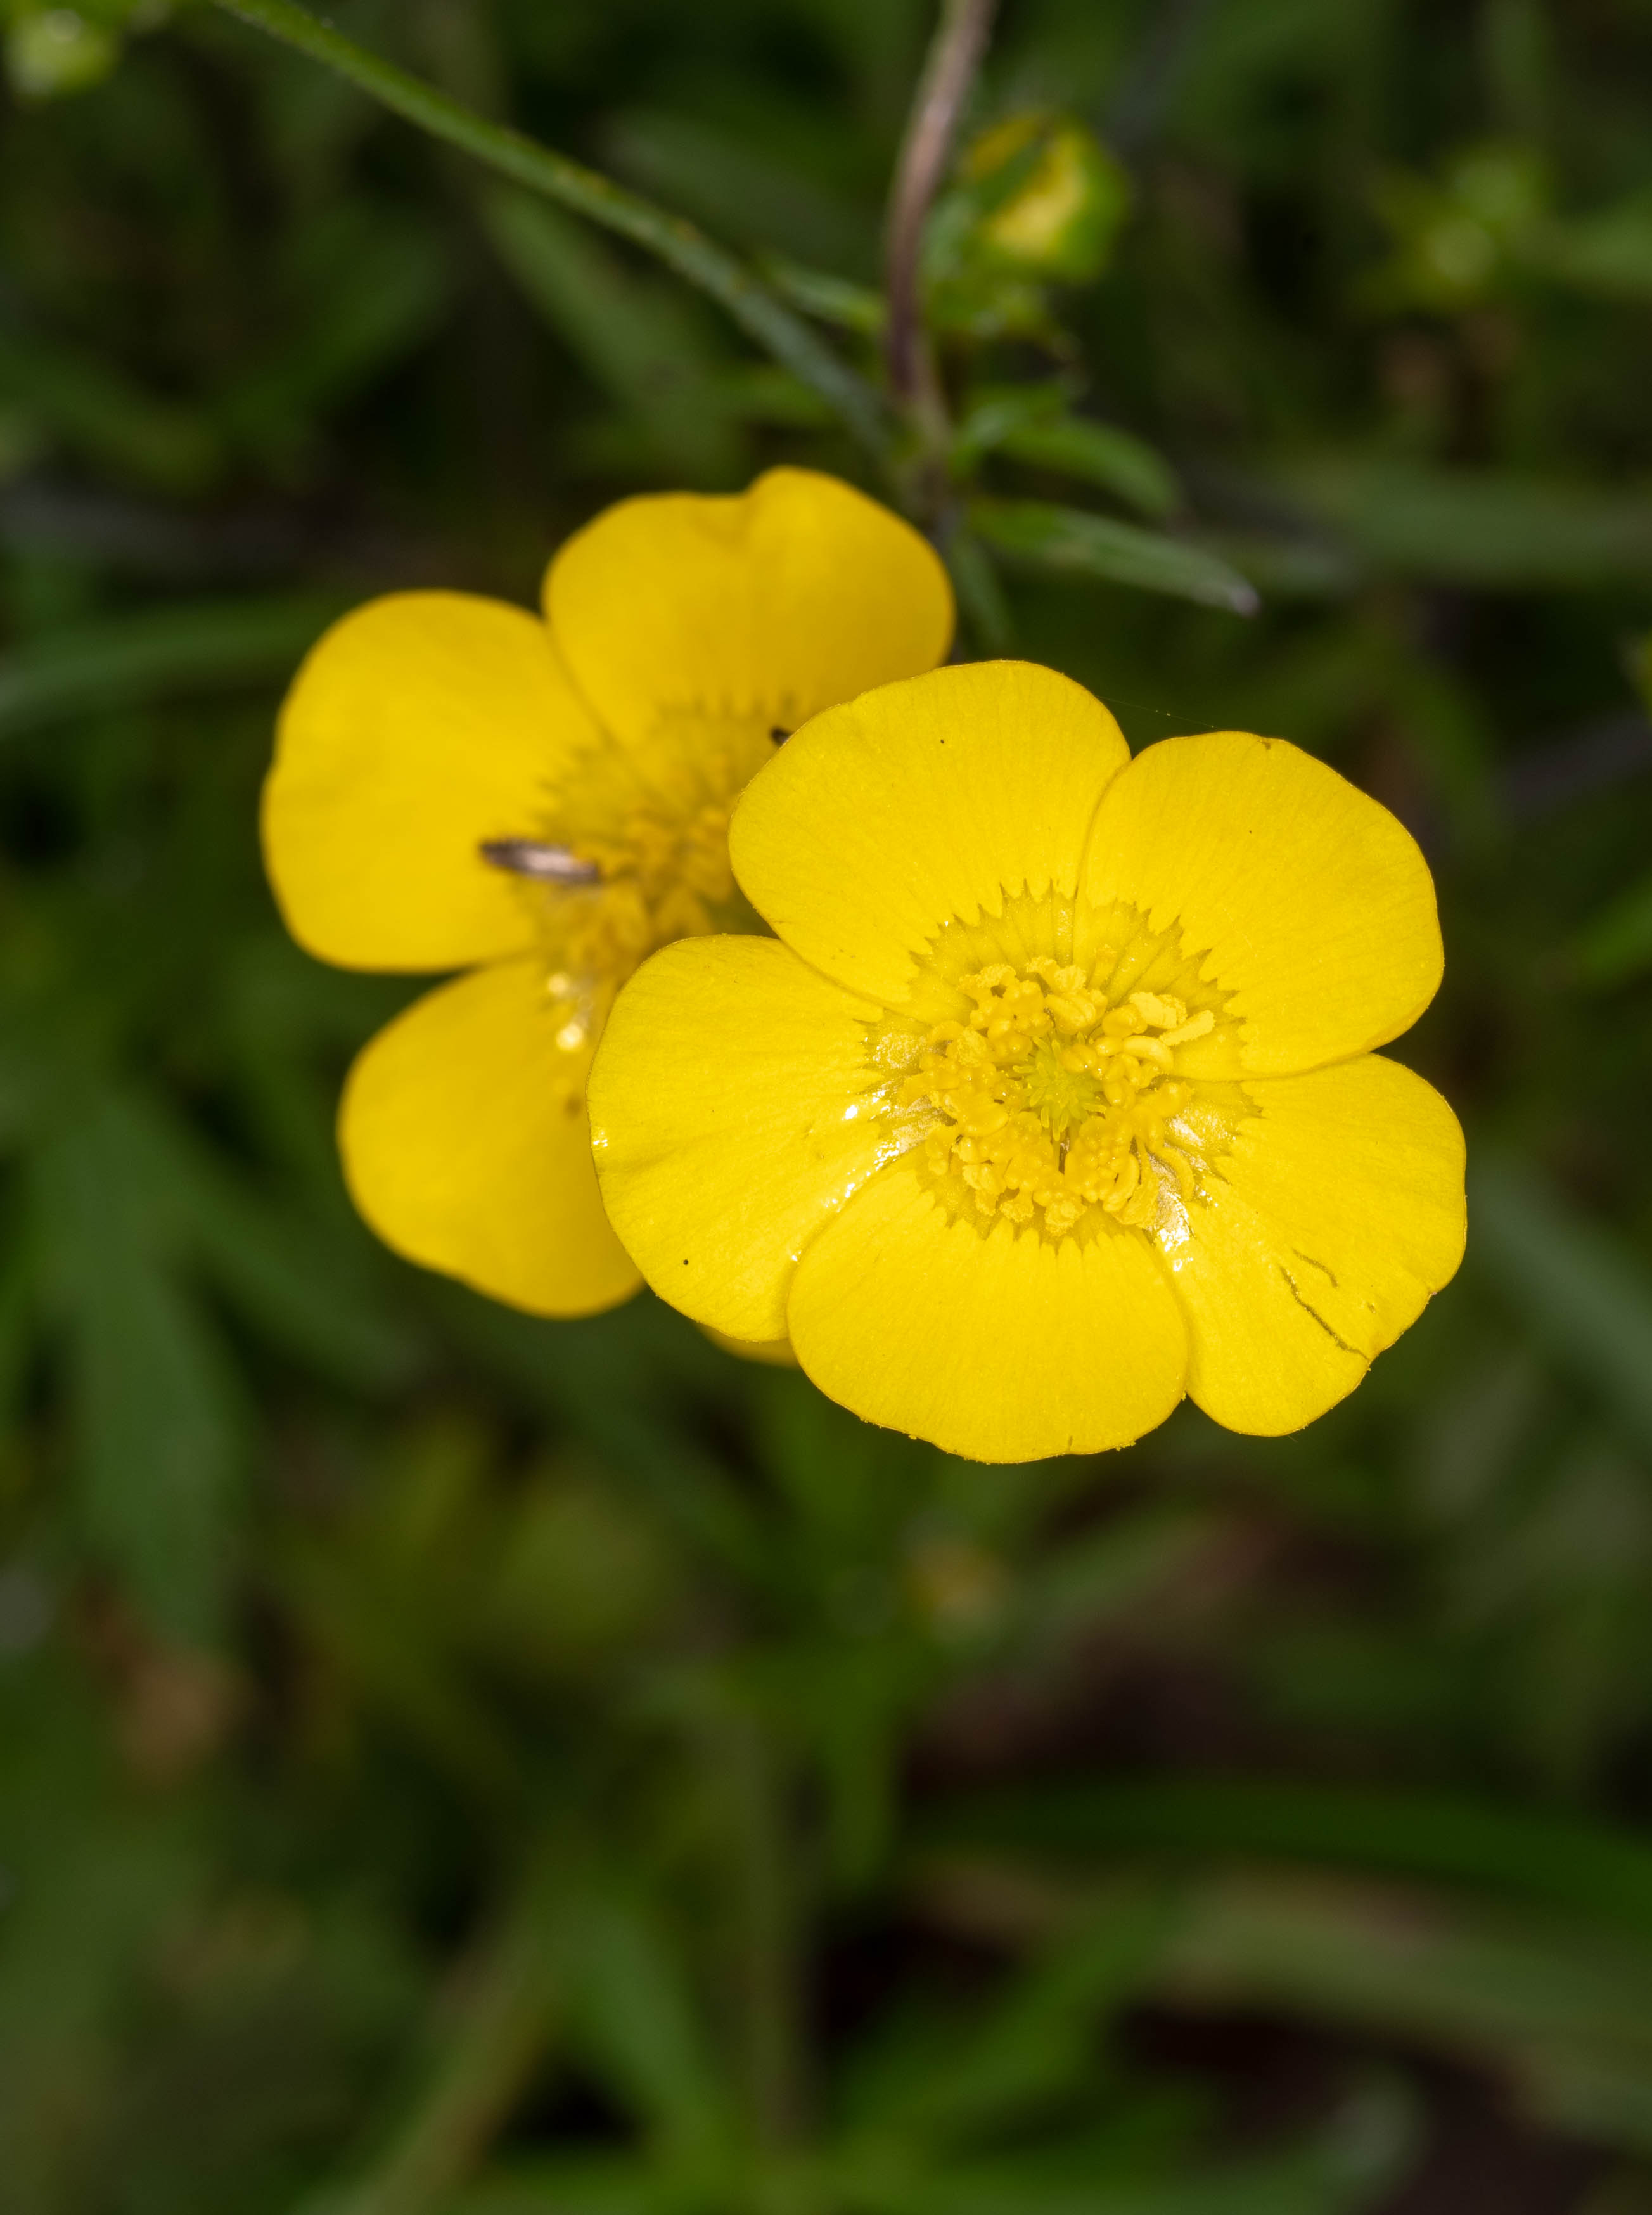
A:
450,1762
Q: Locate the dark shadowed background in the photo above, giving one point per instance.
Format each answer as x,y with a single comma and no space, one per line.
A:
455,1762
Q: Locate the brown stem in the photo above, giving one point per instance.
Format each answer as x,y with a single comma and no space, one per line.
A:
949,68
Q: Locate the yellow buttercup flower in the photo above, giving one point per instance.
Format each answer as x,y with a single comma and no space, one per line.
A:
458,784
1053,1098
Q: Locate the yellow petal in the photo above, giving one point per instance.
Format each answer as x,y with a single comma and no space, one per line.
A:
1338,1214
724,1102
888,816
773,603
1313,903
466,1146
418,727
998,1346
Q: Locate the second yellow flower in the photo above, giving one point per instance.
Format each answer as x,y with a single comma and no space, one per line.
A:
460,785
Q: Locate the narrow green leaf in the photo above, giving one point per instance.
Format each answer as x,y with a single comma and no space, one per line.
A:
158,1439
634,2011
1496,529
1560,2003
1065,538
742,189
372,288
166,651
980,594
1556,1858
828,298
994,412
491,2043
676,242
1587,1296
1564,2004
285,1275
763,392
1036,2043
1099,454
101,413
639,340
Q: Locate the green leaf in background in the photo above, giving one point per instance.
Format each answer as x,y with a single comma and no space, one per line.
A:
741,190
176,649
598,199
96,411
1559,1860
633,2014
474,2066
160,1444
1560,2005
1099,454
1499,529
1032,424
1564,2007
1037,2044
829,298
364,289
305,1291
1584,1296
980,596
1066,539
84,1904
640,340
458,1762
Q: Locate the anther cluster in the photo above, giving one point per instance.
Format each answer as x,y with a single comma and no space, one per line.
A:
1050,1100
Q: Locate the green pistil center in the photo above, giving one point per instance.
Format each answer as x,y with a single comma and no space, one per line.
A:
1059,1096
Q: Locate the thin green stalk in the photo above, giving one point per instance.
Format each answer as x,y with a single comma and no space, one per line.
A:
495,2042
677,242
777,2038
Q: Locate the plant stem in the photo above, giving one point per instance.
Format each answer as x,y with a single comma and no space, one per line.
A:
494,2046
949,68
677,242
776,2050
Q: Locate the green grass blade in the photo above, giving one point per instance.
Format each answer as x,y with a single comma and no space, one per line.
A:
202,646
1065,538
1559,1859
1584,1296
677,242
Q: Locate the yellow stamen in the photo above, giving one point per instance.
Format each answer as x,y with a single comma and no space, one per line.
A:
1046,1100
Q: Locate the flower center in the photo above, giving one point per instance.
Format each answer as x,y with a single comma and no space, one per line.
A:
633,853
1048,1097
1060,1096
